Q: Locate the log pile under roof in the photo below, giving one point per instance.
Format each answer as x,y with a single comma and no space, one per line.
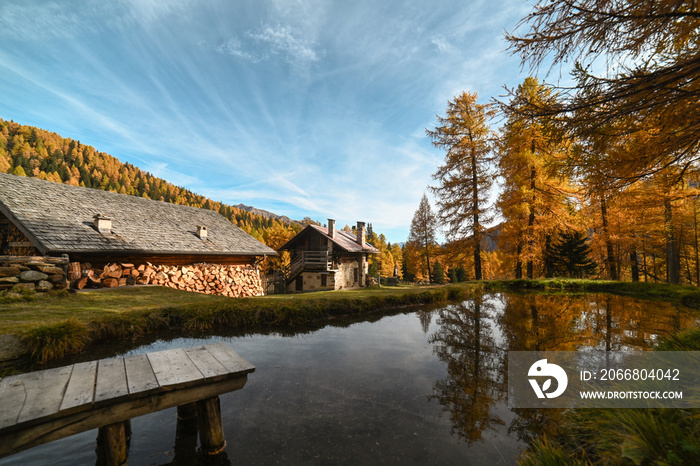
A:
225,280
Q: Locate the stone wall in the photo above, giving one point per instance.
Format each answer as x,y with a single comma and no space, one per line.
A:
33,272
345,276
313,281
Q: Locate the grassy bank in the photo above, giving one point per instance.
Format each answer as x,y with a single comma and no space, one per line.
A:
55,325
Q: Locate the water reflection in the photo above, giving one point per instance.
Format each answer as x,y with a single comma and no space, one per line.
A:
473,339
540,322
475,367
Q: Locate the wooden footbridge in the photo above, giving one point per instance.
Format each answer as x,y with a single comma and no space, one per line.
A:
43,406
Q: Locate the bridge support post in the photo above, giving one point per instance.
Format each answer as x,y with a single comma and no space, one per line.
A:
211,432
112,443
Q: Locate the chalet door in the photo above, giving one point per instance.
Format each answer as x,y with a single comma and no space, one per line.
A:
300,283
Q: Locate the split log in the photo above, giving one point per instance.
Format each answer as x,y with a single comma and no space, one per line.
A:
75,271
81,283
94,282
110,282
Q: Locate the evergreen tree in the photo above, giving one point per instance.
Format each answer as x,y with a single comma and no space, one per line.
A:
423,230
452,275
461,274
438,273
570,256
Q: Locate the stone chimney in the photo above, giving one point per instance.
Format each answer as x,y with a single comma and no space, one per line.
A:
103,224
331,227
361,233
202,231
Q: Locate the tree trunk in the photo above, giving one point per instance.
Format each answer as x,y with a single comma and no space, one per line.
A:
519,262
531,224
634,261
673,265
477,227
697,252
430,272
612,269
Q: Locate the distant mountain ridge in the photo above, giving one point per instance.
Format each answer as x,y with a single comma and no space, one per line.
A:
34,152
265,213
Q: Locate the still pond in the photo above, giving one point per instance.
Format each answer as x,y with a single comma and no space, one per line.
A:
425,386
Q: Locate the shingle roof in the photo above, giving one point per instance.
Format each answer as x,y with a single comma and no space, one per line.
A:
58,218
345,240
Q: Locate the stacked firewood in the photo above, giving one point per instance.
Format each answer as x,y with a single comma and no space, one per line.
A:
111,275
226,280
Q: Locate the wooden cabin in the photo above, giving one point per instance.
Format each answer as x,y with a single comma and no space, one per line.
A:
97,228
328,259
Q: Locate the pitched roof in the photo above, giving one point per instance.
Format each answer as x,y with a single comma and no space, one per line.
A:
343,239
58,218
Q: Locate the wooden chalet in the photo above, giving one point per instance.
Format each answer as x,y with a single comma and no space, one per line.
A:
43,218
328,259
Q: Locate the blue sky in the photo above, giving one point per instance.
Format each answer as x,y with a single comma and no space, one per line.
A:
303,108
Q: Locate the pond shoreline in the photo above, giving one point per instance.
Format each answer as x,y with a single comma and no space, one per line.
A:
46,342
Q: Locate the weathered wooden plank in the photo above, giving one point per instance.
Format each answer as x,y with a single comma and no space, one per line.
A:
173,367
81,386
207,364
229,358
111,380
139,374
13,396
44,391
19,439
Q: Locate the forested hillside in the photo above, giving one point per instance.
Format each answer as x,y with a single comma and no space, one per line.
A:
29,151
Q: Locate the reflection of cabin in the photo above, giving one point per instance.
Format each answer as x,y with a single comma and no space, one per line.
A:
328,259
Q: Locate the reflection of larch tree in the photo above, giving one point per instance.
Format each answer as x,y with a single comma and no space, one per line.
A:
475,367
425,317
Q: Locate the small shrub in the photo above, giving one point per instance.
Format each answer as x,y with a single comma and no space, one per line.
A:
55,341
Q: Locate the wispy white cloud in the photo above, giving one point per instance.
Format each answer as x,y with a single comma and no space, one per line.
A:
442,44
270,41
233,47
282,40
